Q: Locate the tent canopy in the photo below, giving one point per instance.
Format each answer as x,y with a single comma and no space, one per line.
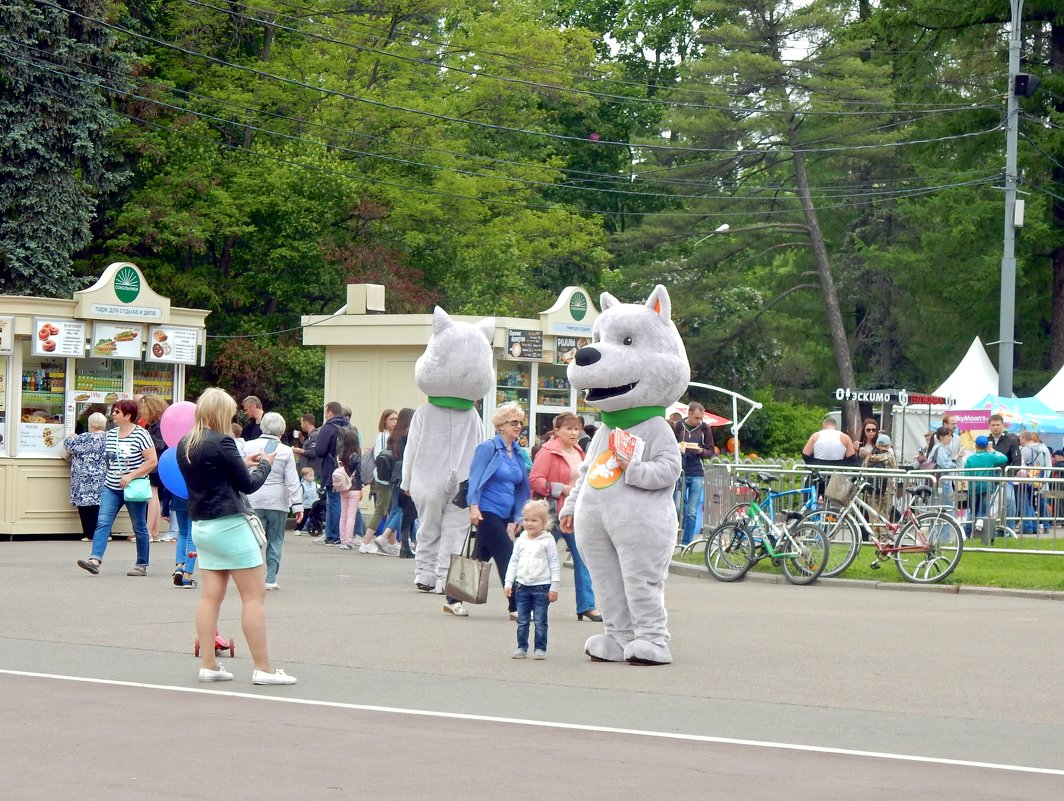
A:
974,378
1024,413
1052,394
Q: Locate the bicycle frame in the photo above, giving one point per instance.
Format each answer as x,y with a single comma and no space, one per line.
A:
859,508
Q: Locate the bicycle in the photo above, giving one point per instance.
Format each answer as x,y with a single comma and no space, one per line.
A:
739,511
925,547
732,549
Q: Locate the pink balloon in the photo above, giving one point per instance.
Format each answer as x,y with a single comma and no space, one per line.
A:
177,421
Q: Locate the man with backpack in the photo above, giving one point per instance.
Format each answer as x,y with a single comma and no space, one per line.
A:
330,436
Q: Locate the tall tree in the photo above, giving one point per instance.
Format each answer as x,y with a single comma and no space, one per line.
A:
55,74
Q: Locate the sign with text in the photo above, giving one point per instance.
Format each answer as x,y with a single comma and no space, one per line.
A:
972,419
7,335
171,345
58,337
40,438
524,344
566,347
118,341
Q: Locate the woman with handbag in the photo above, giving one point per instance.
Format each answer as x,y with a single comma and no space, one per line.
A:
554,472
217,476
130,458
498,491
347,480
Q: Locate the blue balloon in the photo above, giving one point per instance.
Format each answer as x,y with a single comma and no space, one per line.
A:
170,473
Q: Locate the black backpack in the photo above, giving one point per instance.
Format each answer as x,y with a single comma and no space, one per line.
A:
385,466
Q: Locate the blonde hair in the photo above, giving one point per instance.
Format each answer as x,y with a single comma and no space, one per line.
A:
504,412
97,422
536,505
307,472
214,412
152,407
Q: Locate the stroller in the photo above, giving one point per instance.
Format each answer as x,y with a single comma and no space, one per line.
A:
314,521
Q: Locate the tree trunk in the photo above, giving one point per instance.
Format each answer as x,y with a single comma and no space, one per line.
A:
1056,330
840,345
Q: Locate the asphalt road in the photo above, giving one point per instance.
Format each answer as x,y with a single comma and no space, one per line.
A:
777,692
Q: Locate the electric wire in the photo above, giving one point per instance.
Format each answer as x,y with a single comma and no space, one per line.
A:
884,193
503,128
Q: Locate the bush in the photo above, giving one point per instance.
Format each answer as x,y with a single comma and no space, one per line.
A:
779,428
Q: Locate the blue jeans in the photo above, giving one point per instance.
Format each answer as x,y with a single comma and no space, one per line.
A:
585,596
692,504
332,516
185,545
110,502
532,601
273,521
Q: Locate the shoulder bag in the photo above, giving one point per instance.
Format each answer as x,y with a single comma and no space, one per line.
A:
467,578
253,521
138,490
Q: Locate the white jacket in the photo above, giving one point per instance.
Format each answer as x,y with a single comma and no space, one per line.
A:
281,489
534,562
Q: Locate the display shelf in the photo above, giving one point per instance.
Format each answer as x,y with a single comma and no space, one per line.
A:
49,398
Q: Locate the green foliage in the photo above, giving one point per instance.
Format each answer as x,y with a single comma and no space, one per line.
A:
55,72
779,428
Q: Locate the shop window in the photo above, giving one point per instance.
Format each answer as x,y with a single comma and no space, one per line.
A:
150,378
41,396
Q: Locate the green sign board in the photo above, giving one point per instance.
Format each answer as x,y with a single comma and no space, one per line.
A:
578,305
127,284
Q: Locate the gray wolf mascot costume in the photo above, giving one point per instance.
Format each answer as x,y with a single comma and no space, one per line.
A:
454,371
622,510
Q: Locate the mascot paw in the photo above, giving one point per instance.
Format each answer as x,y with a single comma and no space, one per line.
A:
603,648
642,652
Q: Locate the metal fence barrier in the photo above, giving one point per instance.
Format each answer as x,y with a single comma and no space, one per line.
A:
998,510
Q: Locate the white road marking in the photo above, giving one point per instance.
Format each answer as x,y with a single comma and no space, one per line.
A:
701,738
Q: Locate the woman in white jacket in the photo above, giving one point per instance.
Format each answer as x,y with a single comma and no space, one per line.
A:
280,492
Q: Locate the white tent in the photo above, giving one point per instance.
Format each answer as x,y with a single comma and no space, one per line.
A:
1052,394
974,378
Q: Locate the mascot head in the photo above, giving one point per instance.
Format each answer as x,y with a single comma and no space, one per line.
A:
457,362
636,357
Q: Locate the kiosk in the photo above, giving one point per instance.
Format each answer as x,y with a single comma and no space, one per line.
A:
369,358
61,360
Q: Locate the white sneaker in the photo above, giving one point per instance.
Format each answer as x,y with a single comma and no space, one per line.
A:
298,533
368,547
346,546
277,677
319,540
218,674
272,585
385,547
455,609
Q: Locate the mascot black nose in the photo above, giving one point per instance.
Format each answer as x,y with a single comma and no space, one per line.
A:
586,356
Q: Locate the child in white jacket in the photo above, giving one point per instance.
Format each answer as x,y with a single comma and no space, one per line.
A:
532,577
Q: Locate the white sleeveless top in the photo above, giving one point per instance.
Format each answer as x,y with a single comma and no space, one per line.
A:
828,445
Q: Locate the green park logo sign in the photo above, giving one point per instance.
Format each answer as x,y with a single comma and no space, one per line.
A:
127,284
577,305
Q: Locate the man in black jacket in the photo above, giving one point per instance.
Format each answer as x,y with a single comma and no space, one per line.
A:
1009,444
326,449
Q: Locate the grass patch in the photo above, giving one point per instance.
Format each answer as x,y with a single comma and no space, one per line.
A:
977,569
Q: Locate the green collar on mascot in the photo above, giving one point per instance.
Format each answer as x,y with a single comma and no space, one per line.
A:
626,418
450,403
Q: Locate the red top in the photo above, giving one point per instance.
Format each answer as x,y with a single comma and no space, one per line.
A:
551,467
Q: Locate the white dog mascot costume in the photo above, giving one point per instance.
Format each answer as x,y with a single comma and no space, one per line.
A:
623,513
454,371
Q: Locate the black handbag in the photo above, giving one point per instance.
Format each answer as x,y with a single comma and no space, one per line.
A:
461,498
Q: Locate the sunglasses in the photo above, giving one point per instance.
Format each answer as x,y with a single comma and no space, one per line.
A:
871,429
517,423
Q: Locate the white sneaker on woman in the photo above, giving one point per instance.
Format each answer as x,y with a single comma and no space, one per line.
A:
277,677
218,674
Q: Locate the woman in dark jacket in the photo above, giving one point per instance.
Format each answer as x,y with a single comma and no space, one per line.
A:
216,476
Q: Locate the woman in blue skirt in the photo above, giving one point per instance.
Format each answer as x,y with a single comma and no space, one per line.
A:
216,475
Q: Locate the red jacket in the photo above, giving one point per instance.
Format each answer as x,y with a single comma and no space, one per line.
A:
550,467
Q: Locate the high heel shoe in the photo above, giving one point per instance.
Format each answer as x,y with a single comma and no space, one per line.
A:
590,614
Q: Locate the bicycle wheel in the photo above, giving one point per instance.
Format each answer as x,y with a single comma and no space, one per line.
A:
929,549
736,514
844,540
729,552
807,554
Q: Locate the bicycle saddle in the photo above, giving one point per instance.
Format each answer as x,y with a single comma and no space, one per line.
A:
920,492
767,478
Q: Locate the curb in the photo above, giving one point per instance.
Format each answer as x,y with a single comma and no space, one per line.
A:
695,571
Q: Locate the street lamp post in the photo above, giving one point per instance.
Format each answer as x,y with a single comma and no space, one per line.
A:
1007,314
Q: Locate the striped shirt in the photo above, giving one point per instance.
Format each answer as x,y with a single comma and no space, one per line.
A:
125,454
